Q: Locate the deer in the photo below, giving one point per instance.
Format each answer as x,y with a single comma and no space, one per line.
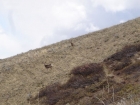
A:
71,43
48,66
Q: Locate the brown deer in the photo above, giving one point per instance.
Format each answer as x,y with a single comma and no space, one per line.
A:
48,66
71,44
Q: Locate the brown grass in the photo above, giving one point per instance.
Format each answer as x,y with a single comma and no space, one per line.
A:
89,79
127,52
87,69
122,59
83,76
132,68
28,73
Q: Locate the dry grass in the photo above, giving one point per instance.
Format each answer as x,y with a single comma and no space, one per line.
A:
88,80
83,76
122,59
27,73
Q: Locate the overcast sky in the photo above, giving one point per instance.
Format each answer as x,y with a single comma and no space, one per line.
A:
30,24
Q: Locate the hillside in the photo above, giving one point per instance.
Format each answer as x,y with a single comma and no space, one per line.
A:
101,83
24,74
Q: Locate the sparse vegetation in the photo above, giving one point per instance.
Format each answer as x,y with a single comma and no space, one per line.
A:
22,76
89,79
132,68
74,88
122,59
87,69
127,52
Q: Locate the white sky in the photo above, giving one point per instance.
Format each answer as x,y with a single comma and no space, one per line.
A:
30,24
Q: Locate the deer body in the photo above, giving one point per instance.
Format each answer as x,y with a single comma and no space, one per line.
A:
48,66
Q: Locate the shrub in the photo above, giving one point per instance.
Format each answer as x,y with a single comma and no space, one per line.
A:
132,68
120,65
80,82
48,90
51,94
87,69
122,59
59,95
127,52
84,75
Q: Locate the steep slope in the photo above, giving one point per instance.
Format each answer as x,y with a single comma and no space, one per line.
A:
25,74
108,81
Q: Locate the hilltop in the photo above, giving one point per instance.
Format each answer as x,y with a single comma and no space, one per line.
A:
24,75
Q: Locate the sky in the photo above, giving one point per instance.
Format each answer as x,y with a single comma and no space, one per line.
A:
31,24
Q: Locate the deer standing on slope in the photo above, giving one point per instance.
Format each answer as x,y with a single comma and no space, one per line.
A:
48,66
